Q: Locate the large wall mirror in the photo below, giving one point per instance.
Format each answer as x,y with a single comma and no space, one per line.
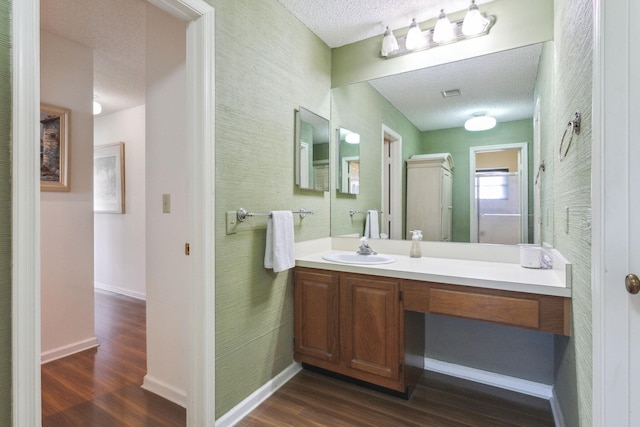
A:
312,151
425,111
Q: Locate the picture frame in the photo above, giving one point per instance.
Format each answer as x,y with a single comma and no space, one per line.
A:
54,148
108,178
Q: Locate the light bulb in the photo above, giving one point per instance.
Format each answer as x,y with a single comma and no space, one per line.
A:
443,31
414,37
97,108
389,43
474,22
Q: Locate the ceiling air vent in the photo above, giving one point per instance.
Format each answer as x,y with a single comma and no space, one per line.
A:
451,92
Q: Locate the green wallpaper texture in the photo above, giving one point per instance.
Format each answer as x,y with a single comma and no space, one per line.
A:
361,109
572,191
5,212
267,65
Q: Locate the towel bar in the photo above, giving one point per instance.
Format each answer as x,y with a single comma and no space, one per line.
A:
242,213
352,212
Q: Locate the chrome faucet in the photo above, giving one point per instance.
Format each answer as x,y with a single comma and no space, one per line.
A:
364,248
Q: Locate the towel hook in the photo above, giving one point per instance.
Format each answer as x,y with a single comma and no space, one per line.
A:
574,125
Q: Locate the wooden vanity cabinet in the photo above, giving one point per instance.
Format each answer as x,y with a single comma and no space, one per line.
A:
353,325
316,317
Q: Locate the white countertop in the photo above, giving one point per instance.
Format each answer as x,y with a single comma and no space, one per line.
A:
482,274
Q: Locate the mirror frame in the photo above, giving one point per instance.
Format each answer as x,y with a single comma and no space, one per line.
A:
298,147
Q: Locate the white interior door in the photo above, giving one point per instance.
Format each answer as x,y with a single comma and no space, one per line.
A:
616,225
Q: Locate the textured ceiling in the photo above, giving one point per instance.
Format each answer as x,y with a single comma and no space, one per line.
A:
115,30
341,22
499,84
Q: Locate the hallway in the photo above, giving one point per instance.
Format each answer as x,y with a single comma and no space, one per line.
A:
101,386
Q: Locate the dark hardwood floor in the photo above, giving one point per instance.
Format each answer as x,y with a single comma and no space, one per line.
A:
312,399
101,387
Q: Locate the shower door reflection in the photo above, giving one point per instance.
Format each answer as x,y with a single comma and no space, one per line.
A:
498,206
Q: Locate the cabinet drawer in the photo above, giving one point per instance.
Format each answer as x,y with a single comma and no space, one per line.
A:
526,310
514,311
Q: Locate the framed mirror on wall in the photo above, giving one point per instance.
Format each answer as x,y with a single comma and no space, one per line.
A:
348,163
312,151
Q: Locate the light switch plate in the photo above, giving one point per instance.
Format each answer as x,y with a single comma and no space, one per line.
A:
232,222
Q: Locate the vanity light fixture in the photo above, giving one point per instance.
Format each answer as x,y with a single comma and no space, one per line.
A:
443,31
479,122
474,24
389,43
415,38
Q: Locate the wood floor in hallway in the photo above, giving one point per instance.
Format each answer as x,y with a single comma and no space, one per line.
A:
101,387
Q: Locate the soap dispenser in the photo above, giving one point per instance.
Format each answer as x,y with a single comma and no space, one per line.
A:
415,244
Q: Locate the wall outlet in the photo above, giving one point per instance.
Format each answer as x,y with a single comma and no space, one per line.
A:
166,203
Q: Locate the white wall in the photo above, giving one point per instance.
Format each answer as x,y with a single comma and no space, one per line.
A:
119,247
168,269
67,218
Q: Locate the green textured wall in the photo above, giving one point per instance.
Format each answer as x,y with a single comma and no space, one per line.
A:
457,141
5,213
267,65
572,191
361,109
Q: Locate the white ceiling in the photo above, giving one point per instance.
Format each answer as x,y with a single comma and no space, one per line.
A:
115,30
501,84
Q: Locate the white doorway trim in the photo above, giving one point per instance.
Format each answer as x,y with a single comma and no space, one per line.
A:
395,184
523,171
25,324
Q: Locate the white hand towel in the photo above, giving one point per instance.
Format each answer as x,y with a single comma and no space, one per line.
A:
371,227
279,252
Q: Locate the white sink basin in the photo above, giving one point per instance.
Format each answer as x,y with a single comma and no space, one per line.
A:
353,258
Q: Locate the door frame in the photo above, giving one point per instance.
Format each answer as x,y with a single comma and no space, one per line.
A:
396,182
523,171
25,324
612,130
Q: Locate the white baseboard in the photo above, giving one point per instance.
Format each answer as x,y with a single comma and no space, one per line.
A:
243,408
121,291
68,350
167,391
531,388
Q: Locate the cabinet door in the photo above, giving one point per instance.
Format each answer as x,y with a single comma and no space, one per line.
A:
370,313
316,316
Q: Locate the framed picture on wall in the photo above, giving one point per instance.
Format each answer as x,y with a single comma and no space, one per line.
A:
54,148
108,178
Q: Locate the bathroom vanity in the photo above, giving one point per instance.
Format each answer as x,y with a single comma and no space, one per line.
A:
367,322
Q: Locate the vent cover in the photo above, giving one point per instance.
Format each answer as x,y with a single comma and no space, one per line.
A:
451,92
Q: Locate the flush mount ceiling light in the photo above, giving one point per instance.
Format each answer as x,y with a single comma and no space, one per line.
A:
97,108
474,24
479,122
352,138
